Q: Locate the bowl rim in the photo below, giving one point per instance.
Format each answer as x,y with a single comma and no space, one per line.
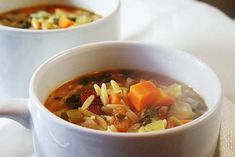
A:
81,27
35,100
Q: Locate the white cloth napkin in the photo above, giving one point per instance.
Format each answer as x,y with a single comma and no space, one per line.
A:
227,134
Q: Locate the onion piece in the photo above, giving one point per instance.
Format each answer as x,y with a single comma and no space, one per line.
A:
181,110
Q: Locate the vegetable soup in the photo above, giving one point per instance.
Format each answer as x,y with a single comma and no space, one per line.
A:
124,100
47,17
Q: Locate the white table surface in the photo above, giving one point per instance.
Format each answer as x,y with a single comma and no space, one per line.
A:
195,27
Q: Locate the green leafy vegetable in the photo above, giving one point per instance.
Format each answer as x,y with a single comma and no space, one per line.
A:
74,101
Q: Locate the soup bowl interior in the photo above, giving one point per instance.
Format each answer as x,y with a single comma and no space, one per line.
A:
96,57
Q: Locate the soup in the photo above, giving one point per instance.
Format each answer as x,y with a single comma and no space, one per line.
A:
47,17
124,100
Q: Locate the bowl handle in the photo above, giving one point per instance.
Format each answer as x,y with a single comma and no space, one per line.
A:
15,109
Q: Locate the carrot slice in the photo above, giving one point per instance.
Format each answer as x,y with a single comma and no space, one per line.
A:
65,22
170,123
146,93
123,125
115,98
163,99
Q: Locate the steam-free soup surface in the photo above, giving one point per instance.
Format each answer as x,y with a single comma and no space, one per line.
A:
125,100
47,17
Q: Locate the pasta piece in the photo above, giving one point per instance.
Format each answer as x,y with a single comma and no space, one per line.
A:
88,102
97,89
133,117
102,122
104,95
115,85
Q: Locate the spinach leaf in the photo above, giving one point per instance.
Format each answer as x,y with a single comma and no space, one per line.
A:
74,101
84,81
128,73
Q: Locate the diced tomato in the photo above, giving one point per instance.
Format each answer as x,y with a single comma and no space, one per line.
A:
96,109
96,105
86,93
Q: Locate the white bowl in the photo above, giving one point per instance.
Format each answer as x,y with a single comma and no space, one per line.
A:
54,136
23,50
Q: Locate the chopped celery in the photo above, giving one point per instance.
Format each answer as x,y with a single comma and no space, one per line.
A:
176,120
154,126
47,25
82,20
74,115
35,23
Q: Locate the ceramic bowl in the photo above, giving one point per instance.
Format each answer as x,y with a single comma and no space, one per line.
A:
54,136
23,50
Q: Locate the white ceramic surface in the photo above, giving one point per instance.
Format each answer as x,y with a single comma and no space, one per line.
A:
21,51
14,135
56,137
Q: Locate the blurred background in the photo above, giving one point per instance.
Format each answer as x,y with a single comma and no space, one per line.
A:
227,6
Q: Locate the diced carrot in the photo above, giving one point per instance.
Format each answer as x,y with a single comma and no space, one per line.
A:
115,98
146,93
123,125
170,123
142,80
65,22
163,99
142,94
